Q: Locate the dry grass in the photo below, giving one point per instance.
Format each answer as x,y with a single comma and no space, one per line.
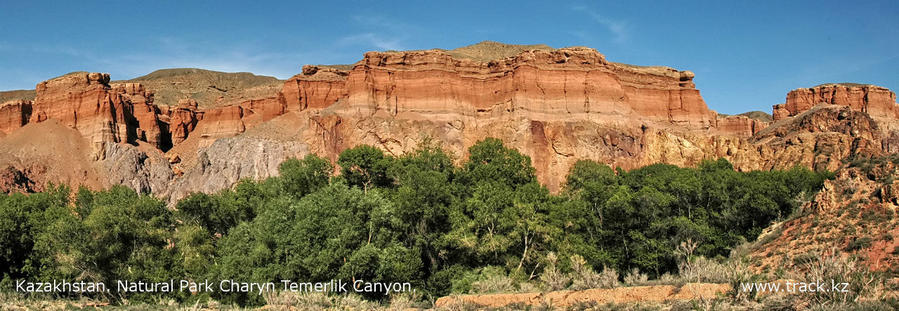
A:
6,96
583,276
490,50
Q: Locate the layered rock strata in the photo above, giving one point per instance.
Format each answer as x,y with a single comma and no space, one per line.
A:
13,115
878,102
556,106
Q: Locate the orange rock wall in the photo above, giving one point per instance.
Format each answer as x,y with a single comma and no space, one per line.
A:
878,102
557,107
13,115
740,125
86,103
182,120
314,88
561,83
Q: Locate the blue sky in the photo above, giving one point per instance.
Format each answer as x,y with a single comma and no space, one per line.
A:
746,54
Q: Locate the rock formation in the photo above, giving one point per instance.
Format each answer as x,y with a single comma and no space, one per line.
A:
99,111
182,120
878,102
13,115
740,125
557,106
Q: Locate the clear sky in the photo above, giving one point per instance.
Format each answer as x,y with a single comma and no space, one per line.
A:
746,54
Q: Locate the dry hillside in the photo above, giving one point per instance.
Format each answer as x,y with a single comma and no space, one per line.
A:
208,88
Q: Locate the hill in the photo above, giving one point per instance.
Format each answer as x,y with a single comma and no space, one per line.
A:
6,96
208,88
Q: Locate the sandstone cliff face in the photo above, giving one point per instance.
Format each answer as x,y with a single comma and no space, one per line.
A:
82,101
13,115
182,120
740,125
878,102
565,83
103,113
316,87
557,106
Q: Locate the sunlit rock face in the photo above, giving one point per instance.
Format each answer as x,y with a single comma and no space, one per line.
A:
878,102
556,106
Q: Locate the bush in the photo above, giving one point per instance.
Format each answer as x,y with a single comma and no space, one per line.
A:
701,269
842,269
858,244
494,280
583,276
552,277
635,278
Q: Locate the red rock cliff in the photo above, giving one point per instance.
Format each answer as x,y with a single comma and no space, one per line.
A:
13,115
878,102
87,103
557,106
570,82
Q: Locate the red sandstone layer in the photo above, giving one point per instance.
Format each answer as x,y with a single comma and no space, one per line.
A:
557,107
878,102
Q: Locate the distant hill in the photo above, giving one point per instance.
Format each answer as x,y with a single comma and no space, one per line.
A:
208,88
757,115
16,95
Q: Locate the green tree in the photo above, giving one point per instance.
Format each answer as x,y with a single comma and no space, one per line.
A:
125,236
302,177
424,191
490,161
365,167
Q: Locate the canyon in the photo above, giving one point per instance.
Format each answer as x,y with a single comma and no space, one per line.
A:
556,106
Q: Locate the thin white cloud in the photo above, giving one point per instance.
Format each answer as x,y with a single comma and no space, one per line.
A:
383,33
53,50
618,28
372,39
380,22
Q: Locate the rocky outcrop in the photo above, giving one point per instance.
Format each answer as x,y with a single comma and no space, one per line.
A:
878,102
557,106
229,121
819,138
231,159
13,115
82,101
145,171
101,112
182,120
221,122
858,205
258,111
316,87
739,125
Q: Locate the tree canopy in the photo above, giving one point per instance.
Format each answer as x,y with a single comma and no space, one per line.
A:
414,218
